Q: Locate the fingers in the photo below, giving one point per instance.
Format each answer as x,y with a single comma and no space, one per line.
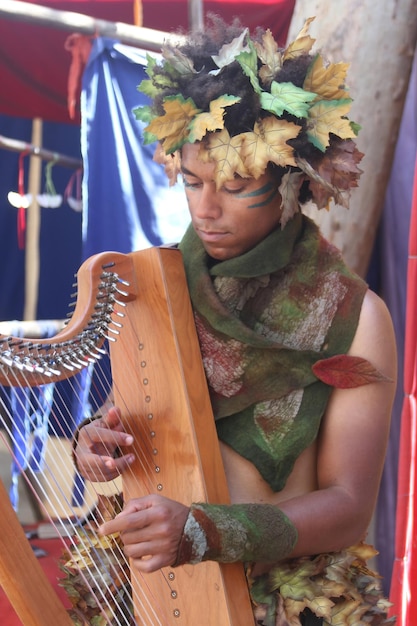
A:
99,468
150,528
97,445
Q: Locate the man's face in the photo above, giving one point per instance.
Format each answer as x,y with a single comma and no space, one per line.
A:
233,219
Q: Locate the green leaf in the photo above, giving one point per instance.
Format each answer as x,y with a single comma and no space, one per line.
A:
144,113
248,61
287,97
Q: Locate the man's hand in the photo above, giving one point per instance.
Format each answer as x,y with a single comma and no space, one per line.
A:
151,529
97,445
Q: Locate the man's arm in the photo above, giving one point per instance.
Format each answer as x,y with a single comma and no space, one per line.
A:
352,446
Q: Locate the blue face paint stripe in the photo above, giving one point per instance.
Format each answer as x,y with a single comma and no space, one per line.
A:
256,192
266,201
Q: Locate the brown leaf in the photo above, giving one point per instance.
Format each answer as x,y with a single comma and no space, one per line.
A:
345,372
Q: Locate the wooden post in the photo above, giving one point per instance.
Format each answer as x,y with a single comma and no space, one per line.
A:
378,39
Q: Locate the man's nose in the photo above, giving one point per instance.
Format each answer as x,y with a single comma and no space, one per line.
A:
207,205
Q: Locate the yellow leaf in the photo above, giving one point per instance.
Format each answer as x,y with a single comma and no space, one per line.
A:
363,551
346,613
225,151
326,117
326,82
268,142
212,120
320,606
302,44
172,128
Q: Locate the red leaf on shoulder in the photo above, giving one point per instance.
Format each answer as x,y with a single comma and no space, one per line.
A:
345,372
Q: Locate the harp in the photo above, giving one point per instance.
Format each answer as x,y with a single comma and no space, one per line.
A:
160,386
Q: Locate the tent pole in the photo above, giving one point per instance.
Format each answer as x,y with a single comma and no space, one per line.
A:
32,261
195,14
138,36
15,145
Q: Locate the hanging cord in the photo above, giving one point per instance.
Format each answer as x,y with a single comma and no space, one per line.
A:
21,212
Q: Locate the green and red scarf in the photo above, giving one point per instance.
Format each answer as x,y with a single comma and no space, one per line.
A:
274,327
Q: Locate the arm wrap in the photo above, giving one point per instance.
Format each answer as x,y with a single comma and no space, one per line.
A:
237,532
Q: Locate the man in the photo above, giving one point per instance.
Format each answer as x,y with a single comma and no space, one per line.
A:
298,353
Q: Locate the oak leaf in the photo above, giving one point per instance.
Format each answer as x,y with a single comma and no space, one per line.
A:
172,128
327,82
287,97
325,117
271,57
302,44
268,142
345,372
212,120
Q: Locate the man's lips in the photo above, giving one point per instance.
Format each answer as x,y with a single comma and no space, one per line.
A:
210,236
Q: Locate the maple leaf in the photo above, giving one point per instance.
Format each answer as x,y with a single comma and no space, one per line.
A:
212,120
229,51
339,166
148,88
326,82
268,142
287,97
302,44
270,55
172,128
225,151
325,117
345,372
289,190
144,113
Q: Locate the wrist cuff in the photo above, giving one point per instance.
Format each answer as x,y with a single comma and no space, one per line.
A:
237,532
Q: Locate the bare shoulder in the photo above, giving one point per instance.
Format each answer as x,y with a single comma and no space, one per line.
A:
375,338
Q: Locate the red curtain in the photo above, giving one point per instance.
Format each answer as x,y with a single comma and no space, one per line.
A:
404,578
34,64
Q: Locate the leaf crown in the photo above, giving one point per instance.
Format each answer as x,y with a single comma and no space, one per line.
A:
303,129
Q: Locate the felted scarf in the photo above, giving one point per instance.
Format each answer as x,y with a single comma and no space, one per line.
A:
272,324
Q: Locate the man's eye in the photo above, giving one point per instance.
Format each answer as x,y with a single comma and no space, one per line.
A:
234,190
191,184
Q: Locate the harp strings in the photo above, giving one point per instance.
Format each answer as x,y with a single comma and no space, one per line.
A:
51,499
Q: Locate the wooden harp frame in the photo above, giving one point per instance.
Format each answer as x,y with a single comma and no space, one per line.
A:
160,386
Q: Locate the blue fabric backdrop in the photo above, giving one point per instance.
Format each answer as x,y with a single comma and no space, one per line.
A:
127,202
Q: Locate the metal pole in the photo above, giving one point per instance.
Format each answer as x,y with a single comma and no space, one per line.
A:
138,36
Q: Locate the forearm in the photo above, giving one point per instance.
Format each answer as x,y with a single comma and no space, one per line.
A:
328,520
239,532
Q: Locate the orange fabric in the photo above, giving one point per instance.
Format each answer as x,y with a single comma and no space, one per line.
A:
404,577
80,48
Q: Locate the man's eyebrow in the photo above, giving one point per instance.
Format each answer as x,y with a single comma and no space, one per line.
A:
185,170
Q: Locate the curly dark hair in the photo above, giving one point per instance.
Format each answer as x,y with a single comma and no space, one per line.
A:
199,47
